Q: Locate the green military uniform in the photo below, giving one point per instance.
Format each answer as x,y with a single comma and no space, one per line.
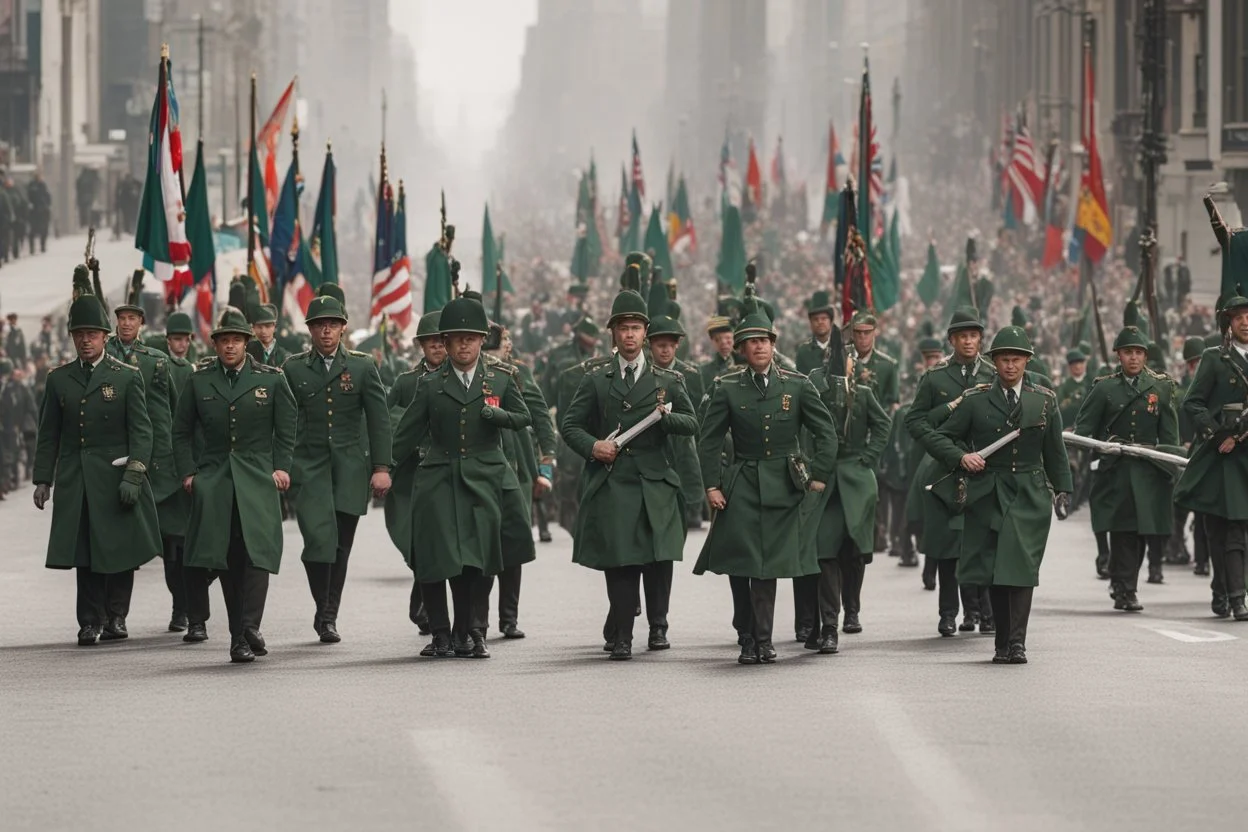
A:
1131,498
1216,484
1072,391
1177,551
894,477
274,356
94,446
767,529
154,366
845,540
339,398
939,391
632,513
467,507
565,366
683,450
1006,509
717,365
879,372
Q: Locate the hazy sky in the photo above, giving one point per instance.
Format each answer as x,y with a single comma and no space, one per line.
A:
468,64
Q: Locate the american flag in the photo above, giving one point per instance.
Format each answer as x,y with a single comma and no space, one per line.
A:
1025,173
392,279
639,179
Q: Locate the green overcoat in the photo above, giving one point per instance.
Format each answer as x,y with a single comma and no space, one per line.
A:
879,372
683,450
154,365
767,529
862,429
277,355
1070,396
810,356
1215,483
333,463
398,504
571,465
714,368
467,506
632,512
1008,505
246,433
900,455
938,393
521,456
174,510
85,425
1130,494
539,410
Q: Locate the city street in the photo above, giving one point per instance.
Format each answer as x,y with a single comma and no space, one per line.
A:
1119,721
36,286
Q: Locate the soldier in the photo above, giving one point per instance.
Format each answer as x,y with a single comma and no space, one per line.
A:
896,474
235,434
847,526
632,519
398,506
15,341
1131,497
104,516
21,216
1215,481
825,346
664,337
768,508
564,369
19,418
1005,499
939,392
1176,551
879,372
40,211
264,347
342,454
719,330
467,508
175,509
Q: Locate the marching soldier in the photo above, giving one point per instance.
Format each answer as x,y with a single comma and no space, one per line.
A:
264,347
1215,482
767,506
825,346
175,510
467,507
879,372
234,439
1131,498
664,337
398,507
632,519
94,446
340,398
564,369
719,330
1177,552
1005,499
1073,389
939,392
15,341
846,533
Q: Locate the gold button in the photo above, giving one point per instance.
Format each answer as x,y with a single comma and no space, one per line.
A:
232,407
768,453
766,427
329,413
329,389
84,401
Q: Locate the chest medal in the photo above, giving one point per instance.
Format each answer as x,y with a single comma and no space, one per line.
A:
262,392
108,392
344,382
490,398
786,401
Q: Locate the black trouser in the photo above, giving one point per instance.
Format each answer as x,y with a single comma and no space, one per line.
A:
175,580
508,596
624,596
762,608
805,603
975,601
470,597
1102,548
1011,607
539,513
326,580
656,583
416,605
1200,540
1228,553
742,606
103,596
244,586
1126,553
900,541
947,586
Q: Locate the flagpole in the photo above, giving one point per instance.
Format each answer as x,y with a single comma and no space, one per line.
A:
251,196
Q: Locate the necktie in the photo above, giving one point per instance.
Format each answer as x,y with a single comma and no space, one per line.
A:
966,371
1011,397
760,381
1135,382
231,376
463,379
87,368
630,374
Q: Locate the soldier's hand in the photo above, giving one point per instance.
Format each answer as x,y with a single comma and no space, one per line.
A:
1061,505
1228,445
128,493
973,463
380,483
493,414
42,493
605,451
716,498
816,486
186,483
540,486
281,479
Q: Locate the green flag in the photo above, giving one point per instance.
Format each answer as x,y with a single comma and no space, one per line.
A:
731,265
491,258
885,260
656,243
961,294
593,238
929,283
199,221
260,211
586,256
437,279
320,262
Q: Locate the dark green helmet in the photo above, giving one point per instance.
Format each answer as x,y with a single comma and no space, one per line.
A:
464,314
1130,336
664,325
134,296
586,327
753,325
428,326
628,304
325,307
1011,339
179,323
266,313
1193,348
931,344
820,302
965,318
232,321
1075,356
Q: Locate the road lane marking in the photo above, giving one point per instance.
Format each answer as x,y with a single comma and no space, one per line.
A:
1187,635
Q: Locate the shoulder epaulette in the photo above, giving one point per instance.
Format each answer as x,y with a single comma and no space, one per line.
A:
944,362
733,373
261,368
503,366
783,372
885,356
358,354
1040,388
205,362
1154,374
590,364
670,371
303,354
970,391
116,362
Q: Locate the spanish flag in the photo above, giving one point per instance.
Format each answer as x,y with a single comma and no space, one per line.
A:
1092,230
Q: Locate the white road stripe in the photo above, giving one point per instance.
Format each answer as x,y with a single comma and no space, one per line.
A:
1186,634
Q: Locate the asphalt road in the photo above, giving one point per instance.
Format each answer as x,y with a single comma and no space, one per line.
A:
1119,722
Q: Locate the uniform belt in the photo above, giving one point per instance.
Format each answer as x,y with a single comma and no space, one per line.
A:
771,453
1007,468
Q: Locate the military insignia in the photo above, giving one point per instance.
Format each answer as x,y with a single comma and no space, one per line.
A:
344,382
1152,404
485,388
262,392
660,395
108,392
786,401
492,401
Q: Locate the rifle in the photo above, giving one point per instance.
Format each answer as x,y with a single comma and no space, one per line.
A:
94,265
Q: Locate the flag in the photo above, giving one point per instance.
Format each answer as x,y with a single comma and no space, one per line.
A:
831,193
259,211
595,225
639,180
161,229
729,180
438,287
392,281
1053,224
929,283
867,150
492,259
752,203
591,255
885,268
623,221
681,234
656,243
259,269
321,260
671,183
1024,172
851,266
1092,229
780,200
268,138
286,241
731,264
399,311
203,256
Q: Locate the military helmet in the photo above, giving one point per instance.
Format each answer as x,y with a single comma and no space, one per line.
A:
863,319
965,318
753,325
266,313
820,302
428,325
628,304
134,296
664,325
1130,336
332,290
586,327
1018,317
1011,339
1193,348
579,289
1075,356
931,344
232,321
325,307
179,323
718,324
464,314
